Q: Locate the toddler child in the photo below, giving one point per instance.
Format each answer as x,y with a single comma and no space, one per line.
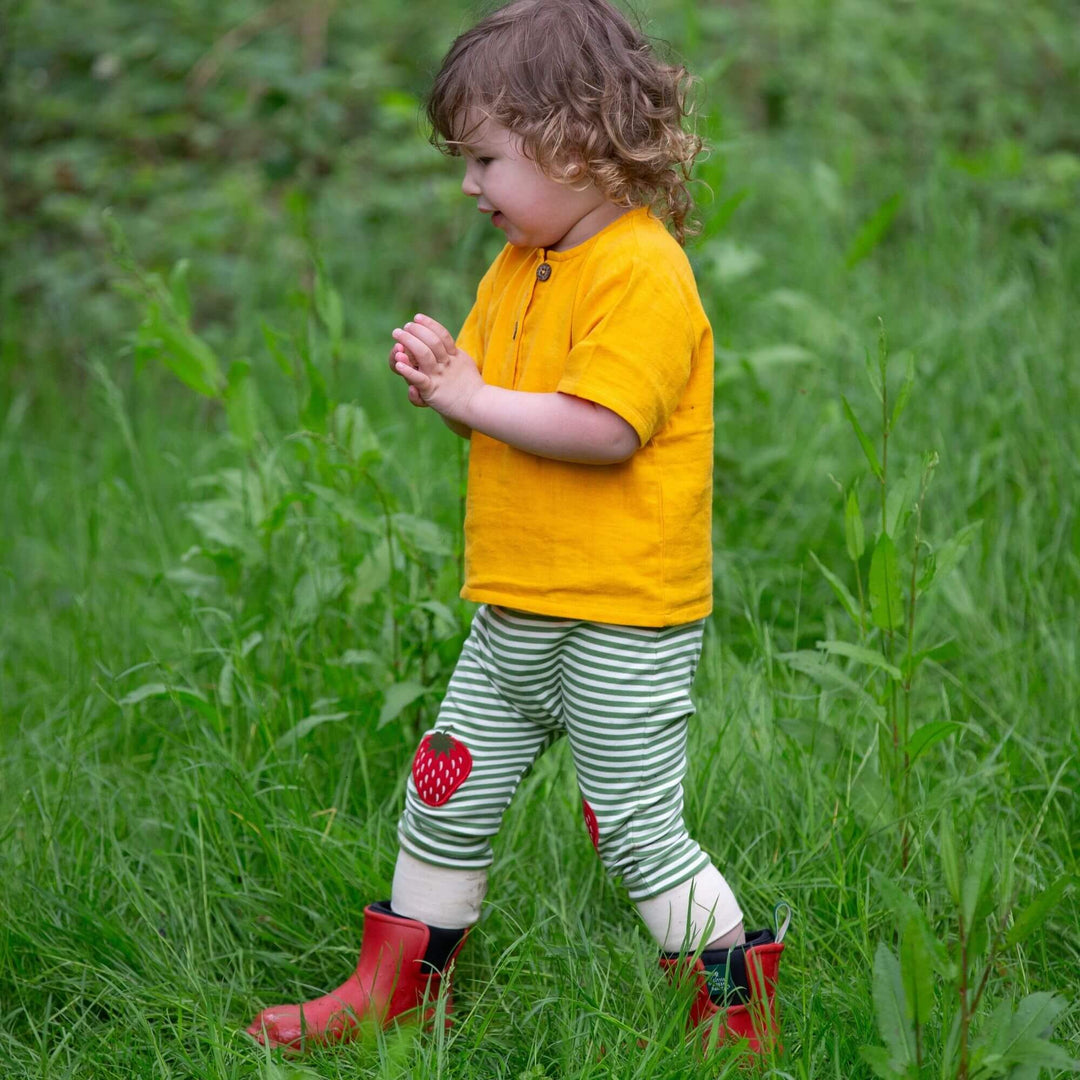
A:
583,379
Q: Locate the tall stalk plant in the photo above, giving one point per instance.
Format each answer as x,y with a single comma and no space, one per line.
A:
932,998
884,607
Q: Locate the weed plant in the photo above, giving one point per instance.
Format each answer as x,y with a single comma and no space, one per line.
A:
230,550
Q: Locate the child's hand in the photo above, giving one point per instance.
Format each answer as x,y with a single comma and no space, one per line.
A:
398,354
439,374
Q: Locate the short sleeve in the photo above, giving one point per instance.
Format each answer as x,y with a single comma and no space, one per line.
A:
633,345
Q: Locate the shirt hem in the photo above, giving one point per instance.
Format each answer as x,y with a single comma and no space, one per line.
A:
590,610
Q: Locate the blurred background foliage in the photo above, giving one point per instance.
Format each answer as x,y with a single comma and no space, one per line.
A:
202,123
210,584
917,161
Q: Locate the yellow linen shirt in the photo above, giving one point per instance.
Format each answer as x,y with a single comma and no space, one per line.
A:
618,321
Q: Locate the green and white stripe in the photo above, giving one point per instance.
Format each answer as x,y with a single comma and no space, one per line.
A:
621,694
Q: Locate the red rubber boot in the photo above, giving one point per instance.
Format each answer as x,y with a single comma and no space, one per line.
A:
748,979
402,963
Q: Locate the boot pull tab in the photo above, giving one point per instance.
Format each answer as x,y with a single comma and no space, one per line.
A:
781,927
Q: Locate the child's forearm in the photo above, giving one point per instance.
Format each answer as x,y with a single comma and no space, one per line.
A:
553,425
556,425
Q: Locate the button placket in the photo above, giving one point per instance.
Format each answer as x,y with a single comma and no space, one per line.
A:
542,274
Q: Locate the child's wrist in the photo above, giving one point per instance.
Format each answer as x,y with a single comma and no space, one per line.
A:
472,409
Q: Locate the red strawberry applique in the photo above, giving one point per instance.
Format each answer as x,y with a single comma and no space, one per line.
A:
591,824
440,767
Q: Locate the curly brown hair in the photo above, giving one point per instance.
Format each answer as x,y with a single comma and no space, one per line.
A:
585,93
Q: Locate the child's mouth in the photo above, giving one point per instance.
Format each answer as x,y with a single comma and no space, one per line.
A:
496,218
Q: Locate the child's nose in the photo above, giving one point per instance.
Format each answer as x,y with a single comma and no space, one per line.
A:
469,186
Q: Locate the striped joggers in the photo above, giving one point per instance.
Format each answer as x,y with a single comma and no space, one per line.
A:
621,695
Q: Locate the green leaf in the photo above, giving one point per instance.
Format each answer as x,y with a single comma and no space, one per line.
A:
358,657
886,602
445,622
186,355
186,694
397,698
220,523
908,912
950,858
1030,1056
877,1057
1035,1015
277,515
1019,1040
904,393
315,589
1033,1056
317,403
226,694
851,605
949,553
993,1037
817,738
895,1028
241,402
854,537
1035,914
161,690
864,442
178,287
270,336
898,502
941,652
354,433
977,881
371,575
329,307
929,571
284,1071
873,230
874,377
309,723
902,905
882,350
924,737
862,655
917,968
812,663
349,508
423,535
869,799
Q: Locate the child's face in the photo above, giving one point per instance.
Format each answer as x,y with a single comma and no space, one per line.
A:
531,208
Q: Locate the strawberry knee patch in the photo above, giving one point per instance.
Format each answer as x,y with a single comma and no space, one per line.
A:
591,823
440,767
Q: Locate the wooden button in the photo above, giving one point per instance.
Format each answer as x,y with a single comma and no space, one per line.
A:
543,272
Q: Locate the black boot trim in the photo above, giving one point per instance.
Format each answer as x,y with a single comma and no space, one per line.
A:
441,943
725,969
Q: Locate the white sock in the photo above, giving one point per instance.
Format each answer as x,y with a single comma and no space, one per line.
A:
681,918
437,895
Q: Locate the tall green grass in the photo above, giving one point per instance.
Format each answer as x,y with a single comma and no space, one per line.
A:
223,627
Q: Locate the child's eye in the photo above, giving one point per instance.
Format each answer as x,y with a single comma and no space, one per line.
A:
483,161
